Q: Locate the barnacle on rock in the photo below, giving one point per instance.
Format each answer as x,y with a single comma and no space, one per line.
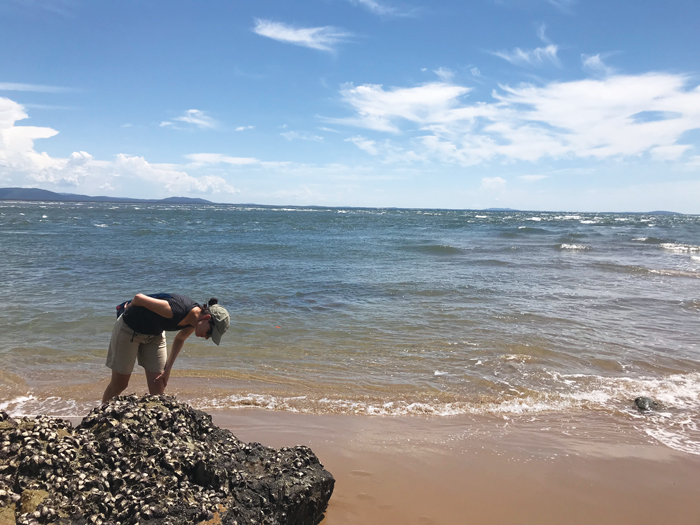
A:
154,460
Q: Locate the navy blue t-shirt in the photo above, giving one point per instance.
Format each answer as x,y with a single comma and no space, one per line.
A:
144,321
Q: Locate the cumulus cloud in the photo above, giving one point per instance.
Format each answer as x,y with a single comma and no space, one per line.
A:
322,38
194,117
22,165
536,57
591,118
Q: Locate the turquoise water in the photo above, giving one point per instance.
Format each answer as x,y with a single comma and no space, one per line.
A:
368,311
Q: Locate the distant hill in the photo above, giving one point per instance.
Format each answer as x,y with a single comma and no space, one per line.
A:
500,209
36,194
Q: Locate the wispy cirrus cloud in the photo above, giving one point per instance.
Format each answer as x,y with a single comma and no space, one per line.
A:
618,116
60,7
193,117
382,9
218,158
535,57
38,88
296,135
321,38
594,64
532,178
445,74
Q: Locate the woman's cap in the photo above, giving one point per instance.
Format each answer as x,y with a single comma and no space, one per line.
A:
221,322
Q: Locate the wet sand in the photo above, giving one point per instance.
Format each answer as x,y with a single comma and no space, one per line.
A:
464,470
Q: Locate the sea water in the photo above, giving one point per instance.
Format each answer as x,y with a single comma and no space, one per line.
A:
377,312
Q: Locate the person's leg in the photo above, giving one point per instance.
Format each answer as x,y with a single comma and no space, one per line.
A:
120,359
152,357
116,386
154,387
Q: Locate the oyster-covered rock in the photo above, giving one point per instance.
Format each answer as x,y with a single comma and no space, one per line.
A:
154,460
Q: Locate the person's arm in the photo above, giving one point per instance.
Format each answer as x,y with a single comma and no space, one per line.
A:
178,342
159,306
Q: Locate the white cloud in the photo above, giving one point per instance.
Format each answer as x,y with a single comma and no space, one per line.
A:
218,158
672,152
536,57
243,128
295,135
592,118
194,117
387,151
321,38
475,72
563,5
13,86
197,118
445,74
532,178
594,64
364,144
378,109
493,183
381,9
170,177
22,165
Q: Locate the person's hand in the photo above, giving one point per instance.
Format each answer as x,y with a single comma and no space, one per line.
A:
164,375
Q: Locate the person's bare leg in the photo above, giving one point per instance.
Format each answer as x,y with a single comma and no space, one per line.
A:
154,387
116,386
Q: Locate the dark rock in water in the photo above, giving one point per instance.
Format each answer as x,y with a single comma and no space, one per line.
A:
153,460
645,404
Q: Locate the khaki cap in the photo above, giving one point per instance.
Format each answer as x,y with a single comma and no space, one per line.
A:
221,322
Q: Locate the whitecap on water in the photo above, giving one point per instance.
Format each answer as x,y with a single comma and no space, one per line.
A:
680,247
573,247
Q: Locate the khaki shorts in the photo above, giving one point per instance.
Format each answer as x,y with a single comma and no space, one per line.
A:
126,345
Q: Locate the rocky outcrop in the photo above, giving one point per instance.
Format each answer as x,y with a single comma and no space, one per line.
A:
645,404
152,460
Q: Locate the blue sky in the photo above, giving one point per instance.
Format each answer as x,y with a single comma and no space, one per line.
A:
528,104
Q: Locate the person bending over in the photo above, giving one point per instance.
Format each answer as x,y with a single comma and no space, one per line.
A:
140,332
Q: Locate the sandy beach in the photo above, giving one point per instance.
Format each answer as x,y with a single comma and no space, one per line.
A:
463,470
